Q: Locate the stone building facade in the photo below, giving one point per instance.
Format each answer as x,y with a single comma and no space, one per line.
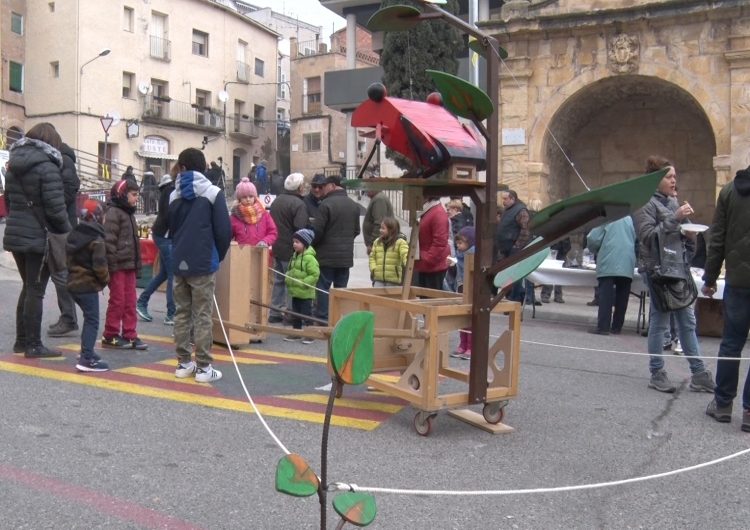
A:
591,88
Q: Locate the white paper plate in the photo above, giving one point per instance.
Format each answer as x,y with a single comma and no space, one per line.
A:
693,227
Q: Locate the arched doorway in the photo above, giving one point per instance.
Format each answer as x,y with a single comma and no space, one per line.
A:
609,128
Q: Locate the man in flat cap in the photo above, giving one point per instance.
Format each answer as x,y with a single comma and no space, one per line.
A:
289,213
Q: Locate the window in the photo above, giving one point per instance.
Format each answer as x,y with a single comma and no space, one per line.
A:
258,115
158,35
128,80
16,77
128,17
200,43
311,142
259,65
54,68
242,67
16,23
202,104
282,84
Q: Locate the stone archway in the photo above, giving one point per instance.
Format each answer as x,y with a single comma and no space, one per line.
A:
609,127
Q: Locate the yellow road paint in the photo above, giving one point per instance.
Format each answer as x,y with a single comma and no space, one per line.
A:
346,402
185,397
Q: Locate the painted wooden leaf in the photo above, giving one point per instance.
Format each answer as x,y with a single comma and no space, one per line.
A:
461,97
352,345
394,18
478,47
294,477
356,508
521,269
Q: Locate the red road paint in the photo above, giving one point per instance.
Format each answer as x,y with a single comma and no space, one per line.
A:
124,510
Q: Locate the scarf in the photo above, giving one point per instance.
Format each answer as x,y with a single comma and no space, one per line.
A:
251,213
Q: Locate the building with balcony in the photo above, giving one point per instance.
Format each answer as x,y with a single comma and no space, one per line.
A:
12,79
321,136
168,81
289,28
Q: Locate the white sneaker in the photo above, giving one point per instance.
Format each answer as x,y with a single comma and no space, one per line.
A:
677,347
207,374
185,370
307,340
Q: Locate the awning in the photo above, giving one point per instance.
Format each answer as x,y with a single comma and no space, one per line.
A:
161,156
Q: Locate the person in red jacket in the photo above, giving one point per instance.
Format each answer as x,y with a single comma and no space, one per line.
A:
251,223
434,248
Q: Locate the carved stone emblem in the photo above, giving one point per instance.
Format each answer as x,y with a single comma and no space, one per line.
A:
623,54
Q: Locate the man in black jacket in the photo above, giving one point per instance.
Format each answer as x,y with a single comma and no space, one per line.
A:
336,226
289,213
68,321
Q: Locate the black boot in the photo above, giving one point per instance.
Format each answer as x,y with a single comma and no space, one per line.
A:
40,351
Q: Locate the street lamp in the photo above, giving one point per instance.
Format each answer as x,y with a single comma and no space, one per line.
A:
104,52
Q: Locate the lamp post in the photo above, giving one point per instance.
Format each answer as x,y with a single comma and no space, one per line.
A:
104,52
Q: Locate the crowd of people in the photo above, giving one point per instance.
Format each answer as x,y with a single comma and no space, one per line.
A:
312,237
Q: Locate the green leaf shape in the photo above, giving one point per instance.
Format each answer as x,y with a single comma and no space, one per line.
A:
521,269
352,346
477,46
294,477
356,508
394,18
461,97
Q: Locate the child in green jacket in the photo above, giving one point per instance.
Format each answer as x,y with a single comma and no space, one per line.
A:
302,276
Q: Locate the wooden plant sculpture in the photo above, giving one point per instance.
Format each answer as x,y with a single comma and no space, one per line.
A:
350,353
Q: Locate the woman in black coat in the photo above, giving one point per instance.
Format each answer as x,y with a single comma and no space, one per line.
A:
34,193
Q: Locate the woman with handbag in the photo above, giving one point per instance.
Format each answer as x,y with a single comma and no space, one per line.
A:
36,204
664,261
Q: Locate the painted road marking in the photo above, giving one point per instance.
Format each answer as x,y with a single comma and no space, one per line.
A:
365,411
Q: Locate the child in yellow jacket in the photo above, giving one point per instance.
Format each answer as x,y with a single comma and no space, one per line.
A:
388,255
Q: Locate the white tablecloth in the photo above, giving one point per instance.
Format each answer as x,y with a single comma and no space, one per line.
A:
551,272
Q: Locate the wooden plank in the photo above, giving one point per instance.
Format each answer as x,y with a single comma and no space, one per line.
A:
477,420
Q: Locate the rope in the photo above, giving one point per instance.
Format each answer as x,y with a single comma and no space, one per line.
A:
628,352
297,280
558,489
268,429
546,128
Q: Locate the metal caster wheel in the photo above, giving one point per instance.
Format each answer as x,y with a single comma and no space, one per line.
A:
493,412
423,423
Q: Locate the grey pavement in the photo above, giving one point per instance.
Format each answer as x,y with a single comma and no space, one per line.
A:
93,456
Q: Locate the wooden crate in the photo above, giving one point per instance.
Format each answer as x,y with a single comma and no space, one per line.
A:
243,276
412,338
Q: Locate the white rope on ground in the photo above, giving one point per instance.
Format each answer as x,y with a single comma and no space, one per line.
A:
632,352
244,387
342,486
559,489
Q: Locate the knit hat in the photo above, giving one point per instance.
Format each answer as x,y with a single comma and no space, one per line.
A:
92,211
294,181
121,188
467,233
245,188
304,235
166,178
